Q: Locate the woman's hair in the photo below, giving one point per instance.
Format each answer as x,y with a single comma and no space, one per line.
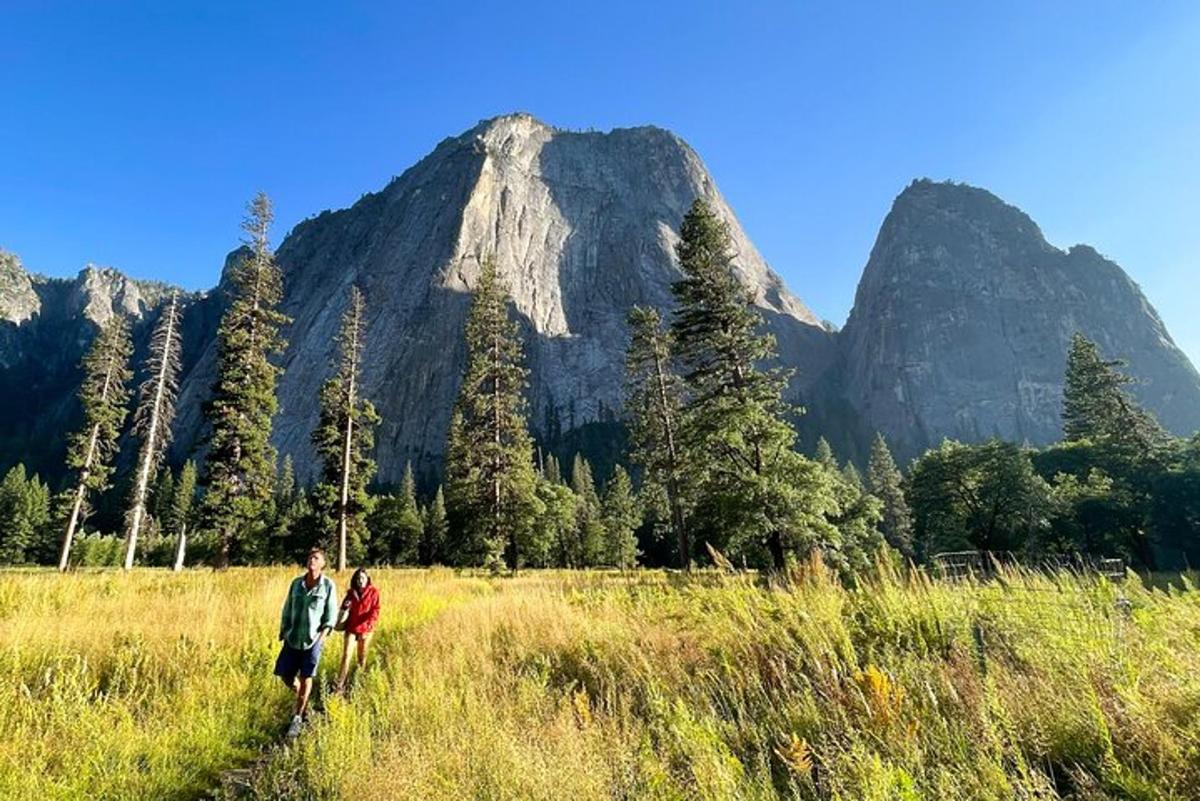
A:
354,579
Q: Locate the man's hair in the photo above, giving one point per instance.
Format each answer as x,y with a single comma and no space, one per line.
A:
313,552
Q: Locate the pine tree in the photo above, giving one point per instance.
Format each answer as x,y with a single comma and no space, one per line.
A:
654,400
553,472
180,518
856,518
435,530
24,514
490,476
754,487
556,525
1096,406
345,435
824,455
162,497
852,476
240,470
285,483
588,548
103,395
885,483
621,515
405,525
155,412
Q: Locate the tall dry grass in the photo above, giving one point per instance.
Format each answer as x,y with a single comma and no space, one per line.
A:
149,685
596,686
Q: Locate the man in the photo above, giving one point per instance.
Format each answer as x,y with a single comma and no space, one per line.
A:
309,613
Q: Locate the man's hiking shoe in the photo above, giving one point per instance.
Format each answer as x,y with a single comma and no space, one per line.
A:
294,729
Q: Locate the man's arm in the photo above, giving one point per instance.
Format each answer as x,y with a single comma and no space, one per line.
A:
329,615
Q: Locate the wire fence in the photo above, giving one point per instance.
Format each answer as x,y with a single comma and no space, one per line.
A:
959,565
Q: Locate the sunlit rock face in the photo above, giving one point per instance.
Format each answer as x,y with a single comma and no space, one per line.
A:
960,324
581,226
964,315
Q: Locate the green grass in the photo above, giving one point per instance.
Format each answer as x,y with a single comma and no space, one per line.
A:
599,685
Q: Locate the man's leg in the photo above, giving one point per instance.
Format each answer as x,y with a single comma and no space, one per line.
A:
302,694
286,668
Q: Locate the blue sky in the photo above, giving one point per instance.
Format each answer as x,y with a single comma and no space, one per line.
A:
134,132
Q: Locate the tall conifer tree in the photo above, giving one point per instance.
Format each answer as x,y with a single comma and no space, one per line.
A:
345,437
654,400
1097,407
24,514
489,472
433,542
104,396
824,455
241,462
180,517
588,549
756,487
621,515
155,412
885,483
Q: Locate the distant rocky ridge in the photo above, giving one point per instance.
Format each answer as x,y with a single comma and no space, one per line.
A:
45,326
959,326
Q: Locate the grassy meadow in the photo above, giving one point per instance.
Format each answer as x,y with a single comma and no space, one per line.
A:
602,685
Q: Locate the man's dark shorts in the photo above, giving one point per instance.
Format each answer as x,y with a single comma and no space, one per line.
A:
292,661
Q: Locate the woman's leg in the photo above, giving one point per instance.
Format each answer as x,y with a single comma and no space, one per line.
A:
345,669
363,639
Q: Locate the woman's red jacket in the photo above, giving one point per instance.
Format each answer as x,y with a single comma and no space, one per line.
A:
363,609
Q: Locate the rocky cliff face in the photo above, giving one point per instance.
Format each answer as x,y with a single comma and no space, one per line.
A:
45,326
963,317
581,226
960,324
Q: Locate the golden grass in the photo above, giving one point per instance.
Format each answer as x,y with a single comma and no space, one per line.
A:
597,686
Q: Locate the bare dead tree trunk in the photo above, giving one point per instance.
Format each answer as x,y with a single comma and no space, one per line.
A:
180,548
77,507
151,445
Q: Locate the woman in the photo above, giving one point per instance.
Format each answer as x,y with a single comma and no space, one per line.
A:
361,610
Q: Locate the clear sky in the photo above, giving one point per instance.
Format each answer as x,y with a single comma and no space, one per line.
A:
133,133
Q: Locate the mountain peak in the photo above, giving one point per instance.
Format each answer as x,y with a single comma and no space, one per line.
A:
18,298
963,316
950,202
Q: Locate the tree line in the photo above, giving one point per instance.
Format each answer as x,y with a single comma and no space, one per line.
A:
713,469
